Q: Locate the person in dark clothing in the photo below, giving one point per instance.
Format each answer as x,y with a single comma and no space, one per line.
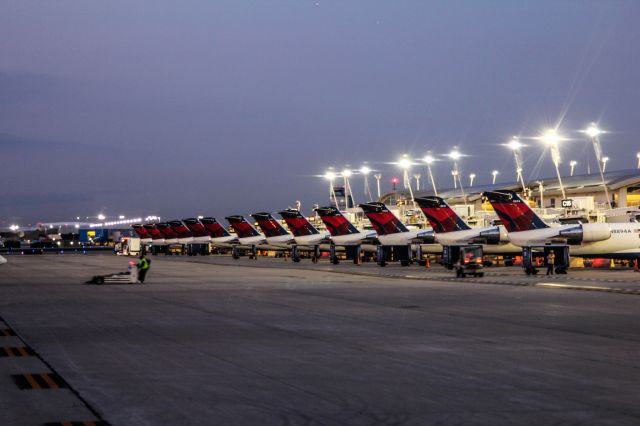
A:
143,266
551,262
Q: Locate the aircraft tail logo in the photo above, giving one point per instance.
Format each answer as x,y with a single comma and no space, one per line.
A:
214,228
383,221
297,223
243,228
335,222
514,213
440,215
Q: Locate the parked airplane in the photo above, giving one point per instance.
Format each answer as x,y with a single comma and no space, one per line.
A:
199,232
343,232
450,229
157,239
303,231
219,235
184,234
247,235
393,234
527,229
170,237
143,233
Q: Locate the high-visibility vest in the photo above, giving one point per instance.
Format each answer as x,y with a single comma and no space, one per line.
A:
143,264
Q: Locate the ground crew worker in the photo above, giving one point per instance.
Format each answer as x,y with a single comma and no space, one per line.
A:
551,260
143,266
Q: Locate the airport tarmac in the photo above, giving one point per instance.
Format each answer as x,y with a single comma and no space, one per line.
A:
209,340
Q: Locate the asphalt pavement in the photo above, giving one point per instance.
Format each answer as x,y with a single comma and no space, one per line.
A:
214,341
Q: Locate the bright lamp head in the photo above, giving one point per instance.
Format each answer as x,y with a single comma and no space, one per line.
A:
455,155
593,131
514,144
404,162
330,175
429,159
550,137
365,170
346,173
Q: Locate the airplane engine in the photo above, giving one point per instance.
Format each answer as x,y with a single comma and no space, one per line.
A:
496,235
587,233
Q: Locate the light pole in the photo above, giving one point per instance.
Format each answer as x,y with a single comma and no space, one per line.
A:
405,165
472,176
541,190
494,175
417,177
455,156
515,145
551,138
365,170
572,164
593,132
378,176
346,174
428,159
330,175
638,156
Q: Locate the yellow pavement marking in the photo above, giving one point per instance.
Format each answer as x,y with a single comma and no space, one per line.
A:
32,381
49,380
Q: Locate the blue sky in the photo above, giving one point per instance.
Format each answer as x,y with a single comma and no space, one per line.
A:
227,107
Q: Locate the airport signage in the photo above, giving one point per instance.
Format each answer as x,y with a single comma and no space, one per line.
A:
567,203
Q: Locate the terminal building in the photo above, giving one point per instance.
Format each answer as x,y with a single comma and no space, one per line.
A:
586,198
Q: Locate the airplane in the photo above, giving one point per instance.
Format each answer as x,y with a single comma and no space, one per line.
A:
392,232
526,229
344,234
170,236
219,235
185,236
199,232
247,235
303,231
303,235
157,238
143,233
450,229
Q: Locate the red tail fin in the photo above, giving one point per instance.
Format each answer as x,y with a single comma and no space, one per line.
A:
180,229
441,217
269,226
166,230
243,228
383,221
335,222
214,228
297,223
196,227
514,213
141,231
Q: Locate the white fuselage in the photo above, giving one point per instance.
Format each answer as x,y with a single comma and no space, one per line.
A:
624,240
312,239
353,239
468,235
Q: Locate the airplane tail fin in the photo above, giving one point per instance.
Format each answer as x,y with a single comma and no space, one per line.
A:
141,231
335,222
440,215
269,225
196,227
181,230
153,231
214,228
514,213
166,230
383,221
242,227
297,223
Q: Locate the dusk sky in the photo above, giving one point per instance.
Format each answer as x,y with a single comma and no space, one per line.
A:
231,107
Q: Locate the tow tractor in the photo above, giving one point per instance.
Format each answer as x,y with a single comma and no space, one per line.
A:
467,259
